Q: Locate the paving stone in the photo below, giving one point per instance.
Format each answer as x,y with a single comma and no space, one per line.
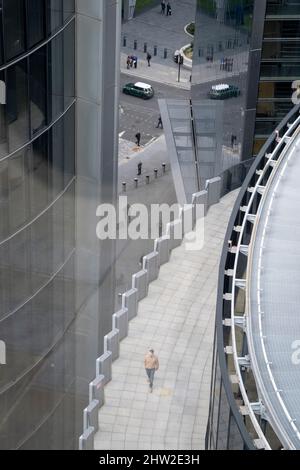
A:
174,416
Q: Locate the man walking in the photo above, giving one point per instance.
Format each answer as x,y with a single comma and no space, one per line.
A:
138,138
149,57
169,9
159,124
151,365
233,140
163,6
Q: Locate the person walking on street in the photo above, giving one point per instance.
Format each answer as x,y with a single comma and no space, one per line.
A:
128,62
138,138
151,365
163,7
149,57
134,60
169,9
233,140
159,124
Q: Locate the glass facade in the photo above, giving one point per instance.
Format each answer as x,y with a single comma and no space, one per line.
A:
279,66
37,224
230,425
221,50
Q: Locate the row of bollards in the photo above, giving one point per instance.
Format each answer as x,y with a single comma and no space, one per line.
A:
136,180
145,47
208,51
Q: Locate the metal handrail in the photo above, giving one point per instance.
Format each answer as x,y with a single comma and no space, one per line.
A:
294,127
242,230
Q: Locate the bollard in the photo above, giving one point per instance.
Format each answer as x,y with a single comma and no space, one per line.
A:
145,47
164,167
155,172
147,179
155,50
135,44
124,41
136,182
124,186
165,53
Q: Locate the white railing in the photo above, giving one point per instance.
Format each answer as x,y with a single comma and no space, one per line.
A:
262,336
254,192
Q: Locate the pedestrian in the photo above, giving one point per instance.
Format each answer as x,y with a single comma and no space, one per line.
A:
128,62
149,57
138,138
159,123
151,365
139,169
232,140
169,9
163,6
134,59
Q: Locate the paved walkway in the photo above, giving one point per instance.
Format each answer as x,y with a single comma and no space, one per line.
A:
168,33
164,32
177,320
166,73
152,156
155,29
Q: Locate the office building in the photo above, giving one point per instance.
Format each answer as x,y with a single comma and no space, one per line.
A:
58,161
274,65
255,375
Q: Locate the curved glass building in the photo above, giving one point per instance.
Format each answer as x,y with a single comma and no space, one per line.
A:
255,379
50,280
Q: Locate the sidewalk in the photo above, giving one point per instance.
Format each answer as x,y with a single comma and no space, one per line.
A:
162,73
176,319
153,28
164,32
152,156
168,33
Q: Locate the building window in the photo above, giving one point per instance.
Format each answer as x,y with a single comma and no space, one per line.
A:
35,21
54,15
69,8
38,87
17,109
14,28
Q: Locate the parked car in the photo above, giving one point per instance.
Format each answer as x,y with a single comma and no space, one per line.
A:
139,89
223,91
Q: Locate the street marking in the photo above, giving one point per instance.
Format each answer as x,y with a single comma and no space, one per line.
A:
151,141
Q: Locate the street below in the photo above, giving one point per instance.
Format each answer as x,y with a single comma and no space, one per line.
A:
138,115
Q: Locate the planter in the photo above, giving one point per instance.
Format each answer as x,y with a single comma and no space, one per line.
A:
186,30
187,62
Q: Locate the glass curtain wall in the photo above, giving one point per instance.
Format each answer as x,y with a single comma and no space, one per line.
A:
221,50
279,66
37,223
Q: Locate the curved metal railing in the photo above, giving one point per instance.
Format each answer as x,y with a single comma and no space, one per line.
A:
251,191
282,159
